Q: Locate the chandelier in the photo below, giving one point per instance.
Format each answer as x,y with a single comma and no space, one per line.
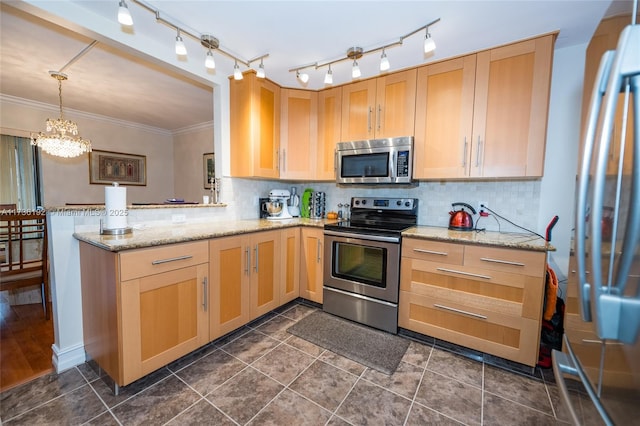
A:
62,138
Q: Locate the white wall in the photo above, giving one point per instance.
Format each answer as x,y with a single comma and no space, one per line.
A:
189,145
66,180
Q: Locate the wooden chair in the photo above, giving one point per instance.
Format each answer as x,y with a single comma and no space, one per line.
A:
24,264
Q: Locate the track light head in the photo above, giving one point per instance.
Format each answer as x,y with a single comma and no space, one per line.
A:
261,73
302,76
237,75
181,49
124,16
384,62
355,70
429,44
209,61
328,78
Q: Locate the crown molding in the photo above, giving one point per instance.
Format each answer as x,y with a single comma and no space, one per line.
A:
8,99
193,128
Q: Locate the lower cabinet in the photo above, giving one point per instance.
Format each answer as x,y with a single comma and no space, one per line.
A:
485,298
245,279
312,264
143,308
290,265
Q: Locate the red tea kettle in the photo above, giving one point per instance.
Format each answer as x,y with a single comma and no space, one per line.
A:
461,220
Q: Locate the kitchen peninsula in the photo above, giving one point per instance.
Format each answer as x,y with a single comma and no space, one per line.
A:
163,291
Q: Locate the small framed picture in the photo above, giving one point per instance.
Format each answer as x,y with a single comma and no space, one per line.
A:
106,167
209,169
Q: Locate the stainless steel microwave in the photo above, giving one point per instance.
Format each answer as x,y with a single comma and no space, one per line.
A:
375,161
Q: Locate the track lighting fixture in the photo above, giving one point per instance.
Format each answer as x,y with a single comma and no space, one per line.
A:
208,41
210,62
429,44
181,49
260,73
384,62
328,78
303,77
124,16
355,53
237,75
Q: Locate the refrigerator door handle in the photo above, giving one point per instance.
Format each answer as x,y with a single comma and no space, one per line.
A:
599,89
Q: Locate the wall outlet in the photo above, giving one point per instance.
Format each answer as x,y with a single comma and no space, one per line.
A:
178,218
480,208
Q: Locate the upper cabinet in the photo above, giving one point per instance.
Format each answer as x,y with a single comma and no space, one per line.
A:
379,108
299,134
329,128
485,115
255,127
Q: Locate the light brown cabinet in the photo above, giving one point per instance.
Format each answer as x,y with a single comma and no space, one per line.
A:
254,127
329,128
245,279
299,134
485,115
379,108
143,308
485,298
290,265
312,264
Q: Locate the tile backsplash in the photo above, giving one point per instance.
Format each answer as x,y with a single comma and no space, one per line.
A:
516,201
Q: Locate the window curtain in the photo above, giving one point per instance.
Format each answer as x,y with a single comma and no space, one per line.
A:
19,176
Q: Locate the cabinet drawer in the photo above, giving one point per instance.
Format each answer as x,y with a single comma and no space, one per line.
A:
523,262
150,261
435,251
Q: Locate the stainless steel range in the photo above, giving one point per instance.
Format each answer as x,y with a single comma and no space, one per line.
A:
362,275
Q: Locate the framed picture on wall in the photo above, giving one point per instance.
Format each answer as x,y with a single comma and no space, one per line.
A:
209,169
107,167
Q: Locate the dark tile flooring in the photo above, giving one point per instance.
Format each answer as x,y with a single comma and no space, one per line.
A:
262,375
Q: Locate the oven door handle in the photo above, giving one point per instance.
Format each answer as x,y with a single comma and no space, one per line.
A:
379,238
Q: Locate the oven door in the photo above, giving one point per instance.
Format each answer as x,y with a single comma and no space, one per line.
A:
363,264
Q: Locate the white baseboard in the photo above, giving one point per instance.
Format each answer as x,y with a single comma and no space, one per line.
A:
64,359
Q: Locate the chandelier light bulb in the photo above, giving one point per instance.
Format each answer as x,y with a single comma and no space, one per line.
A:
124,16
210,62
384,62
181,49
261,73
355,70
328,78
237,75
429,44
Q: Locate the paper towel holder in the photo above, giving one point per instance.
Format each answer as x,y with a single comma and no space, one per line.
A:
114,231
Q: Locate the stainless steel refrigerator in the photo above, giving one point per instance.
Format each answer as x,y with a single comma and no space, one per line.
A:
602,354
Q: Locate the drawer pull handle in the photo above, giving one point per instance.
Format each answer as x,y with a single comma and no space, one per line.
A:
453,271
459,311
173,259
505,262
439,253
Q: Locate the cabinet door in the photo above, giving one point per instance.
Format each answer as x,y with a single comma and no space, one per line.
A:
444,116
290,265
329,127
358,100
255,127
265,273
395,105
299,134
312,264
229,277
510,109
164,317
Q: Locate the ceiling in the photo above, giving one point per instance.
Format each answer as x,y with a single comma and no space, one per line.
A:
139,88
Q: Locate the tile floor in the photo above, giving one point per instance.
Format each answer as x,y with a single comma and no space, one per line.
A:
262,375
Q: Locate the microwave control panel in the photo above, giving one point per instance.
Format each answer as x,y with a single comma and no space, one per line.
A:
402,164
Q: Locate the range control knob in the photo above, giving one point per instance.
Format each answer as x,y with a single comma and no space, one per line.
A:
399,202
357,202
364,202
407,203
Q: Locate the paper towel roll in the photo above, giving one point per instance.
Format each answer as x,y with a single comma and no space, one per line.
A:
115,201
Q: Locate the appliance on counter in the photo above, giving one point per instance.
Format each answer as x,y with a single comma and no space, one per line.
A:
294,203
317,205
461,220
375,161
276,207
362,271
262,208
606,357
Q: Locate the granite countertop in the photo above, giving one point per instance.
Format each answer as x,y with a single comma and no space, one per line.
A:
488,238
143,236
